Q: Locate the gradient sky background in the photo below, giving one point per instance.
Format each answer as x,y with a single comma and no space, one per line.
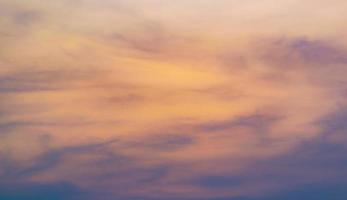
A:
173,100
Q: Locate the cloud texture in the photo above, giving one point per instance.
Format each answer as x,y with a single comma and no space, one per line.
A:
164,100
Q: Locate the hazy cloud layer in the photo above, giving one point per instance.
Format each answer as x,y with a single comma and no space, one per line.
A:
188,100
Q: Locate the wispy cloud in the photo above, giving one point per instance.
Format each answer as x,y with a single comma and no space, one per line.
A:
177,100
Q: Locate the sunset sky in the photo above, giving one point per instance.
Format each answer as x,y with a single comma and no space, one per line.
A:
173,100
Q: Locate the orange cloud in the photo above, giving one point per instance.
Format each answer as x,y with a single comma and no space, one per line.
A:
144,98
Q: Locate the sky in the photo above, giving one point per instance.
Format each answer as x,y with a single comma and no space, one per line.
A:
173,100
